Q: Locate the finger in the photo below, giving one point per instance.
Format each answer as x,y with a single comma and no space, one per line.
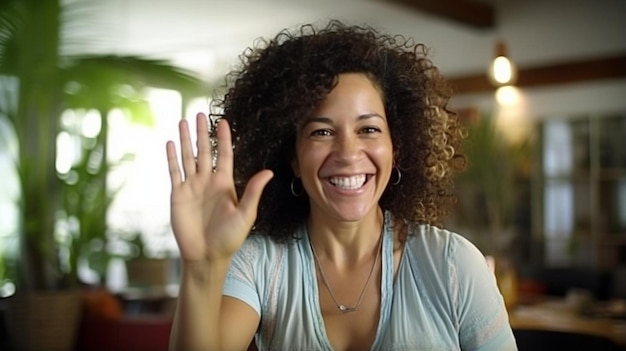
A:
172,162
205,159
189,162
224,148
249,202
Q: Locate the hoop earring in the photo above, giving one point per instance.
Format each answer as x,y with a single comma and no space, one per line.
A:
293,192
398,176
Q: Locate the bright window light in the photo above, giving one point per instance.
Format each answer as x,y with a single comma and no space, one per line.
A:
91,124
142,204
65,152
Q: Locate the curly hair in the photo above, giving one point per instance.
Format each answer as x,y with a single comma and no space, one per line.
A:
282,80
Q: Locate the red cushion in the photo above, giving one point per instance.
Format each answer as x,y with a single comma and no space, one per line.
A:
127,333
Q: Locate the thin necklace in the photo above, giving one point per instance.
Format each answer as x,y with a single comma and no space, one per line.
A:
342,307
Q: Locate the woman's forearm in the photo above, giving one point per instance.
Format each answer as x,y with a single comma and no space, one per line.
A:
196,322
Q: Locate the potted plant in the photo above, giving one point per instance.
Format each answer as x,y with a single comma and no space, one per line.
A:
145,270
39,83
490,185
489,194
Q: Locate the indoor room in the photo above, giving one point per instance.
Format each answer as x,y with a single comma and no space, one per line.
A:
91,91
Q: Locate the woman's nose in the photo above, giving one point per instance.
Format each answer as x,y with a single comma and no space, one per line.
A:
347,147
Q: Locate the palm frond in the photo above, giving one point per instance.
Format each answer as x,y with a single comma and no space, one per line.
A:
107,82
133,70
11,19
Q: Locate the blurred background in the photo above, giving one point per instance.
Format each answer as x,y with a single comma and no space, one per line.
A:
90,91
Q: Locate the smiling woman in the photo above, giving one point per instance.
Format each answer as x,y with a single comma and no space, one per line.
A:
316,227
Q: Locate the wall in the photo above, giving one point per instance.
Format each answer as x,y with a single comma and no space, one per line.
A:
555,101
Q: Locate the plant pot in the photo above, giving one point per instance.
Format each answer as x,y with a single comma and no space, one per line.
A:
43,320
147,272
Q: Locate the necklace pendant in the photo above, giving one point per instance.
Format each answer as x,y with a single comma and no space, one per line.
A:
344,308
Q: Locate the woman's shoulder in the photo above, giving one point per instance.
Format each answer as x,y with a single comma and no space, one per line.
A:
259,246
431,235
439,252
434,240
256,243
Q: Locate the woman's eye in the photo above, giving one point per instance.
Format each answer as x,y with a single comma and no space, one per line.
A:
370,130
321,132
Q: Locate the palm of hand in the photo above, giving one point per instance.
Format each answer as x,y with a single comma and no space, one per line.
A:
208,220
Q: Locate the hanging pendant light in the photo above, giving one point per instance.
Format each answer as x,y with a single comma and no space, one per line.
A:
502,71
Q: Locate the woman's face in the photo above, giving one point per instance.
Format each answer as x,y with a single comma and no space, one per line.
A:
344,153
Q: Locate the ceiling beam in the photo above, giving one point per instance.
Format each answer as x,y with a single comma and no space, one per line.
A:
557,73
472,13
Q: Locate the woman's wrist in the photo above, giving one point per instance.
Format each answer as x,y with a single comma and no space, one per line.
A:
204,271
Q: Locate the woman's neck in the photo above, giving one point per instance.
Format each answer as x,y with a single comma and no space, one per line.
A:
346,243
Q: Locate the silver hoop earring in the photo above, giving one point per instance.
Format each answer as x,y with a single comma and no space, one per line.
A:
293,192
398,177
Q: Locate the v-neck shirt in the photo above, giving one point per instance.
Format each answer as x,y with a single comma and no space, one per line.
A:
444,296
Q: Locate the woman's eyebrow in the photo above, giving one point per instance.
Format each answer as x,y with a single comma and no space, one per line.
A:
327,120
370,115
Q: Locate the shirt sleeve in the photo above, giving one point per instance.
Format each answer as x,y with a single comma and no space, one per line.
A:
482,316
241,278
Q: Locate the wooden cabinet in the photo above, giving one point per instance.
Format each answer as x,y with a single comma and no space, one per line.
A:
579,201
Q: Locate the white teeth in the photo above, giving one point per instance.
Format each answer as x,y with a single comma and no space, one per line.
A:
349,183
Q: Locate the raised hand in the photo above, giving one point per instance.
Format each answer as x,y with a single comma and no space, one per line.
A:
209,221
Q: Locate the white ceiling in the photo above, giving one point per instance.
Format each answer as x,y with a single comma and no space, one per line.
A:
207,35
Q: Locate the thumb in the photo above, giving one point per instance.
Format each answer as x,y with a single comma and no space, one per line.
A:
249,202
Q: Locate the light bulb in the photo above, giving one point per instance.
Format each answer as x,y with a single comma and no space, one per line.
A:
502,71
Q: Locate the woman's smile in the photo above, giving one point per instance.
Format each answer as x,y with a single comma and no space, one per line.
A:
348,183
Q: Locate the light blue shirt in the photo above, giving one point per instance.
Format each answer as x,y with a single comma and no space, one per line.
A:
444,297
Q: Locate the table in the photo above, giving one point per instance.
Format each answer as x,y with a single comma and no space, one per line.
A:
559,315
